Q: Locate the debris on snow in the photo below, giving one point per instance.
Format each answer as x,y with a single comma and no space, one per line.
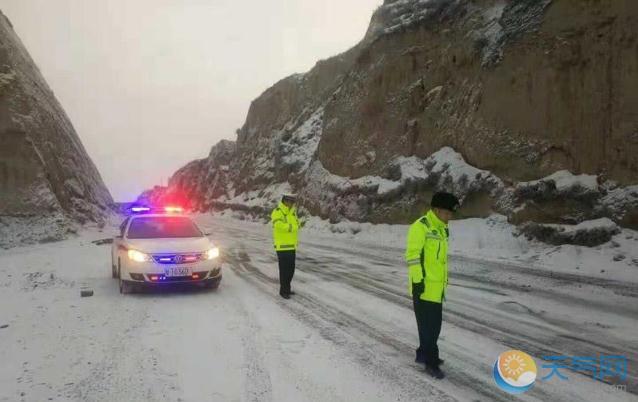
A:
86,292
101,242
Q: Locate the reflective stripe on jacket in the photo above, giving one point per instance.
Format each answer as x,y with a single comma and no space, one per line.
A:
426,256
285,227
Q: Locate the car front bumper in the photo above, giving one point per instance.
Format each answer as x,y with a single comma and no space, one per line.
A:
153,273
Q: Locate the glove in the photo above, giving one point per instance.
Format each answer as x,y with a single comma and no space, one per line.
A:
417,289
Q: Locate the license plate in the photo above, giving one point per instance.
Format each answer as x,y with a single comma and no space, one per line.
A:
178,271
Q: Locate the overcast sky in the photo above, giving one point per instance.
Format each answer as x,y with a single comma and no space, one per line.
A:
152,84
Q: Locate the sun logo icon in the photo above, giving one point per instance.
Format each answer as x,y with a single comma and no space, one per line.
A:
515,371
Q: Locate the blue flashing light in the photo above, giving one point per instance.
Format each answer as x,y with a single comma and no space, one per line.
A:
140,209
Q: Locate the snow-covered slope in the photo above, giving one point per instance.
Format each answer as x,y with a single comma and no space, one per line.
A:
47,180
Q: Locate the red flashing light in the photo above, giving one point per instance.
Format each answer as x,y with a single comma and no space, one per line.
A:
195,276
154,277
190,258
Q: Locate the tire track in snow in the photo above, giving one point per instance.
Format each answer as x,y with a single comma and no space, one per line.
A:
620,288
342,332
504,277
466,315
257,384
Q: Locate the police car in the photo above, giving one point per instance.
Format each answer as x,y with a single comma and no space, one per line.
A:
163,247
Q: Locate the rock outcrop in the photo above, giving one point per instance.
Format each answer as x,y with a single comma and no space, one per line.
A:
525,107
47,180
588,233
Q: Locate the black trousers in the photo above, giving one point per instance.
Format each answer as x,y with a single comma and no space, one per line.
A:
286,270
429,316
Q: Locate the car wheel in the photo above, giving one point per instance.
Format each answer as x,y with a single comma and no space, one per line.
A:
125,287
213,285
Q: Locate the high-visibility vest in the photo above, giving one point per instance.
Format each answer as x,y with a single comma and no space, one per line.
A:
285,227
426,256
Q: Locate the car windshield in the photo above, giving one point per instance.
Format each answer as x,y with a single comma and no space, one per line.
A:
162,227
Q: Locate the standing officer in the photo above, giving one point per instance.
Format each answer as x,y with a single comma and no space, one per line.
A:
426,256
285,227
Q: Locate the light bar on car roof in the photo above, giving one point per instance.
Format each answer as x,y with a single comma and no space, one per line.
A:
140,209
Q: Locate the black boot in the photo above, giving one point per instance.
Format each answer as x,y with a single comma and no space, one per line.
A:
435,372
420,358
285,295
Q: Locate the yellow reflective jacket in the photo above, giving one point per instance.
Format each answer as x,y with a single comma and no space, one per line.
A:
285,227
426,256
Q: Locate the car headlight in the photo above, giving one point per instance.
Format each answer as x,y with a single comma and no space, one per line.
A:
138,256
212,253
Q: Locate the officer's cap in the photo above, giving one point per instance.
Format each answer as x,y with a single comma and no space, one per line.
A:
445,201
289,198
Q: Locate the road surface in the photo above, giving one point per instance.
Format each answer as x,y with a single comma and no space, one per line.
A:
348,335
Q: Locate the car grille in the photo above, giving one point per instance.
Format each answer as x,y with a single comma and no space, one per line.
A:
177,258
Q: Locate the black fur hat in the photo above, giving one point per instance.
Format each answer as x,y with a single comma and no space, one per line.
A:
445,201
289,198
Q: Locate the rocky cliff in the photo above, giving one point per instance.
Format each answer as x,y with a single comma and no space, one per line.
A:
523,107
47,180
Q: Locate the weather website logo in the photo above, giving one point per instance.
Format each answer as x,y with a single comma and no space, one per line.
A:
515,371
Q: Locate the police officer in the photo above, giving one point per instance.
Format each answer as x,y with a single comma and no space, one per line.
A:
426,256
285,227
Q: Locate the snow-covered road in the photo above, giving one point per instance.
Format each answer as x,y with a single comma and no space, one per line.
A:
348,335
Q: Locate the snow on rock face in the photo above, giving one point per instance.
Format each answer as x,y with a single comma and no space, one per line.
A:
455,96
454,174
370,197
588,233
621,204
298,148
395,15
506,21
569,199
47,180
503,21
558,184
257,202
20,230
